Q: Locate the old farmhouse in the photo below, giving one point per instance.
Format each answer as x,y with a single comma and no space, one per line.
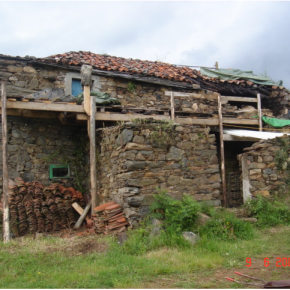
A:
138,127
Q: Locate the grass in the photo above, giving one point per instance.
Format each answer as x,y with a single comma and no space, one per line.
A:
48,262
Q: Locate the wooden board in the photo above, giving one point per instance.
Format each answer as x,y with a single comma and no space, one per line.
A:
239,99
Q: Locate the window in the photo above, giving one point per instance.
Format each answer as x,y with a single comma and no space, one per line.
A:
73,85
59,171
76,87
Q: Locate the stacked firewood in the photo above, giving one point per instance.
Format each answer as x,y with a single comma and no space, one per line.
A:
109,219
35,208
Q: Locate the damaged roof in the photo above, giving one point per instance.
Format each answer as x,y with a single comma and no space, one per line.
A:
148,70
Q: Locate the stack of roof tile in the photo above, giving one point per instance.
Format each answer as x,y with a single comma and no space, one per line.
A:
109,219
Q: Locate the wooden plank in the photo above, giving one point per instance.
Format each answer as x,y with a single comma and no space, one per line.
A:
172,106
82,217
40,115
87,100
239,99
193,95
240,121
79,209
6,225
259,112
223,171
93,171
45,107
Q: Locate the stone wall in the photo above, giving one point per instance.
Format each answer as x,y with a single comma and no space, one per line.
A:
268,173
33,144
137,158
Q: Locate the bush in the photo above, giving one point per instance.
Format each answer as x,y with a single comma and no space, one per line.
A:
225,226
178,215
268,212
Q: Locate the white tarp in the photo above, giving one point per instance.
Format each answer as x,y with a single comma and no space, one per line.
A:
253,134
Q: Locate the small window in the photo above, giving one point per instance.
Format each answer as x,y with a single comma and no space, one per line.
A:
76,87
59,171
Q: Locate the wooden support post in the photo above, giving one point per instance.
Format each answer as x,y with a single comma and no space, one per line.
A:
6,226
259,105
172,106
246,180
93,171
223,171
87,102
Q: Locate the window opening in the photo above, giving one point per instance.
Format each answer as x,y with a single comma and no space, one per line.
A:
59,171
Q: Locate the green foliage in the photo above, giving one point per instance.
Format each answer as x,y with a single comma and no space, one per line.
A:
178,215
225,226
142,240
282,158
131,86
268,212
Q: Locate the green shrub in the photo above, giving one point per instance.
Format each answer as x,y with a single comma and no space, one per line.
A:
268,212
225,226
178,215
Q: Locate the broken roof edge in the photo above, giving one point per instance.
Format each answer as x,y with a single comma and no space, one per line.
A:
235,74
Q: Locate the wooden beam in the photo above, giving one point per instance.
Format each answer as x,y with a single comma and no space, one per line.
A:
6,225
58,107
79,209
238,121
193,95
93,171
259,112
222,153
82,217
87,100
172,106
239,99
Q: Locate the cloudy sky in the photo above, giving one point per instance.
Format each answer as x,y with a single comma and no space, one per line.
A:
248,35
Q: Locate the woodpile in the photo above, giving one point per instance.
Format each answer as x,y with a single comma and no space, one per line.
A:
35,208
109,219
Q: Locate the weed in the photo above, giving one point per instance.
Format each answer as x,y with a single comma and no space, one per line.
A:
268,212
225,226
131,86
178,215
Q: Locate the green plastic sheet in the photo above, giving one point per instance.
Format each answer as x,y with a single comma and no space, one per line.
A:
235,74
278,123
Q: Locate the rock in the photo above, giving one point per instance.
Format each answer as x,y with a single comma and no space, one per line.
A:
137,146
134,165
141,182
128,191
156,227
191,237
125,137
173,180
251,220
202,218
175,154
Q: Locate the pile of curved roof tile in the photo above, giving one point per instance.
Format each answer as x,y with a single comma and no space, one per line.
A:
35,208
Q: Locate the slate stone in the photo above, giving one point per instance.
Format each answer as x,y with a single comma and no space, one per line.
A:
134,165
175,154
125,137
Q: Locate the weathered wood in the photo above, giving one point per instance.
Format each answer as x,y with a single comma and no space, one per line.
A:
45,107
87,100
93,171
259,105
239,99
79,209
82,217
6,225
246,181
238,121
172,106
223,171
194,95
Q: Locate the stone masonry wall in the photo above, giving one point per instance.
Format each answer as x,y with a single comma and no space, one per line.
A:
268,175
135,159
33,144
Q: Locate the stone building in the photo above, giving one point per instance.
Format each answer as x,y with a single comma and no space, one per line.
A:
164,130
